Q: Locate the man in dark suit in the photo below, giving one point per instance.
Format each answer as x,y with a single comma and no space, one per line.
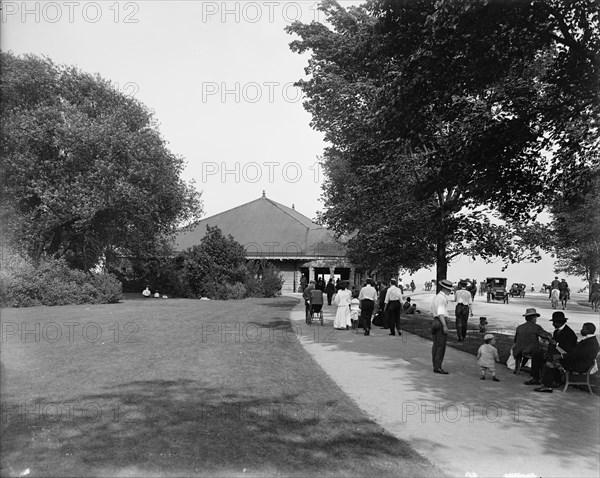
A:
563,338
580,359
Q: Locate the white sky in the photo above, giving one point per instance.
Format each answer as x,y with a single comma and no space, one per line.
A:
218,75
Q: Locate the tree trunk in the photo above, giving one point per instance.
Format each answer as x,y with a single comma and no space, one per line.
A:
441,263
591,278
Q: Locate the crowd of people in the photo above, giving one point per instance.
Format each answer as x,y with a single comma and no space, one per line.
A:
381,304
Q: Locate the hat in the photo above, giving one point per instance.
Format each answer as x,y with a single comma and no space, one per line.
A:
446,283
559,317
531,311
488,336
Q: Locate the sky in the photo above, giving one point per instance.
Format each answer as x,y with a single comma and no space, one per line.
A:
218,76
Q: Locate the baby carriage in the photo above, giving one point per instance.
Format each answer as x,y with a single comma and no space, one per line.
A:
315,307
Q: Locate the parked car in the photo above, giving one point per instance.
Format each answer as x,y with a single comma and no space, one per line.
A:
517,290
496,289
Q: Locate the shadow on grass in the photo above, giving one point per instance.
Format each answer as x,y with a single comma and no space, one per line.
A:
184,427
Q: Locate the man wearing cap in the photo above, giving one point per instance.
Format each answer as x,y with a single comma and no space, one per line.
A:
439,329
393,304
526,336
579,360
563,341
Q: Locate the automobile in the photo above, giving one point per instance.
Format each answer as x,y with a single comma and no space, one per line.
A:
517,290
496,289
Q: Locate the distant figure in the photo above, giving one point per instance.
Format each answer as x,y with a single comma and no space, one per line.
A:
302,283
342,302
146,292
553,285
407,305
329,290
413,309
412,286
156,295
355,310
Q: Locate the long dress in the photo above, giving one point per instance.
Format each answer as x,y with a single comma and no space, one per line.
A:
342,316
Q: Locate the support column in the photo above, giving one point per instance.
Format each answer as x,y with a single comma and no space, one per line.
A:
352,273
311,273
331,272
295,280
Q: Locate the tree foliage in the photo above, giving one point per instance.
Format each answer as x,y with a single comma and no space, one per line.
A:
437,113
576,231
86,175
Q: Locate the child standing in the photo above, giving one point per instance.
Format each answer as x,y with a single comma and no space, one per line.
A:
487,356
354,309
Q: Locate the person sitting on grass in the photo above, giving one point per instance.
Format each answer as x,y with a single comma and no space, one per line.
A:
487,356
579,360
146,292
413,309
406,306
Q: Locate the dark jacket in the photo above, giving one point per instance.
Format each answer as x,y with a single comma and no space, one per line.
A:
526,340
581,358
566,338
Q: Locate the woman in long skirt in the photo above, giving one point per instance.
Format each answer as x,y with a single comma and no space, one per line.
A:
342,301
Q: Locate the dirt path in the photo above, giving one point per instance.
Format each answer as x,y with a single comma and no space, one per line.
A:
466,426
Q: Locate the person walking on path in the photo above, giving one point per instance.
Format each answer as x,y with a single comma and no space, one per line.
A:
381,306
367,298
487,356
463,309
329,290
342,300
306,296
439,329
393,304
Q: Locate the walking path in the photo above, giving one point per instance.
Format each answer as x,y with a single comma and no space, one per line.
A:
466,426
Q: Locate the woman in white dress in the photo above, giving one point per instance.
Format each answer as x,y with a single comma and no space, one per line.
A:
342,300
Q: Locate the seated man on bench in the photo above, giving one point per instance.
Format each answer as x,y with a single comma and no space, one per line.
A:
579,360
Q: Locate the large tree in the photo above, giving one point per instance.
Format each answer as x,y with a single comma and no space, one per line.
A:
575,237
86,174
438,113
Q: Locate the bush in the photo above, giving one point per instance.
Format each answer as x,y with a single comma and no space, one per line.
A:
263,279
54,283
235,292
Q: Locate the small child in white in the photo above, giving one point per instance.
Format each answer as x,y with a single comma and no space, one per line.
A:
487,356
354,310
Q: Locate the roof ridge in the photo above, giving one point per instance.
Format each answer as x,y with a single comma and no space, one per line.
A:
281,207
227,210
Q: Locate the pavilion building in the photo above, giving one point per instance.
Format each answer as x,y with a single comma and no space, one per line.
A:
280,234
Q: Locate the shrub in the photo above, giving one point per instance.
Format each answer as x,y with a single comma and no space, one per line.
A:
52,282
263,279
235,292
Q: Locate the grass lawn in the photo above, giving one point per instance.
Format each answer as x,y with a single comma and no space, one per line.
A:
179,388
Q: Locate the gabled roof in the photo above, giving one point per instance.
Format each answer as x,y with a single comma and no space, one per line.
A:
268,229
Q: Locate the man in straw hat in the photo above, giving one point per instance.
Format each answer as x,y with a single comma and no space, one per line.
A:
526,336
439,329
563,341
